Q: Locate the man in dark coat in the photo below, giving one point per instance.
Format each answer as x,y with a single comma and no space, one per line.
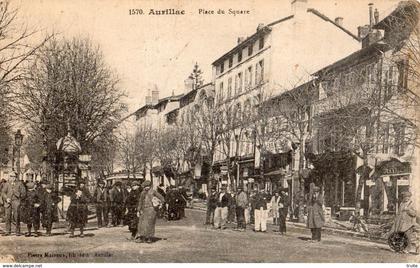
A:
49,211
77,214
283,210
117,203
131,205
183,201
211,207
315,213
31,209
13,193
174,200
102,201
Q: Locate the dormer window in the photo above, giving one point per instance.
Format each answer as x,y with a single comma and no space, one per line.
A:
240,55
230,62
222,67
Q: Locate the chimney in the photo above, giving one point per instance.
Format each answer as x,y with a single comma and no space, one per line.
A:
339,21
362,31
240,39
155,96
376,15
260,26
189,83
299,7
370,15
148,98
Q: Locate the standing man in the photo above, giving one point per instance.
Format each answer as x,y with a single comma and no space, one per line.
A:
117,203
221,211
315,214
211,207
77,214
131,205
275,200
241,205
13,192
101,198
283,208
31,209
261,213
49,208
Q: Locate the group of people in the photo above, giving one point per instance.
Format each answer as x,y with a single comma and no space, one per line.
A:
259,205
34,203
253,208
135,205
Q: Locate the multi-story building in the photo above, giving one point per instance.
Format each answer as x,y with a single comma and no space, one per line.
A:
275,59
365,117
153,116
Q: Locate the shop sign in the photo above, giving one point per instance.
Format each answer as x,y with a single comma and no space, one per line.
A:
403,182
393,167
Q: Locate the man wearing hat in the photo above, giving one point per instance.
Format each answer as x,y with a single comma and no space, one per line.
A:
315,212
13,192
49,208
117,203
211,206
131,203
101,199
283,208
31,209
77,214
241,205
260,211
405,221
221,211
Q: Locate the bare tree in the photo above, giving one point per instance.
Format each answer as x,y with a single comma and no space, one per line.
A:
371,109
16,49
69,84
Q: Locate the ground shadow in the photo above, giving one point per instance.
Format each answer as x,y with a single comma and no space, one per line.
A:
304,238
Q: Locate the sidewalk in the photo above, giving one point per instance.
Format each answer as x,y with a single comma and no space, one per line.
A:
327,229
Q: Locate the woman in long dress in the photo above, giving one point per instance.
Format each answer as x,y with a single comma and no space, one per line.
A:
149,203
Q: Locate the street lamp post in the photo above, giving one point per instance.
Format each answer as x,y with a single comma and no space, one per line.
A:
18,143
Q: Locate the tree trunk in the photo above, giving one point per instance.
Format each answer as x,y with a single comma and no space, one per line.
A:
363,178
301,197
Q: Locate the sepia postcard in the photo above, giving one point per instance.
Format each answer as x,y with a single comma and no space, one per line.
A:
158,131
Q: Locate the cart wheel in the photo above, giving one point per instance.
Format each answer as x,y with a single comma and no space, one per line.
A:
398,241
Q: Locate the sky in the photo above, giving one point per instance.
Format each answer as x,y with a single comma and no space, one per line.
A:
148,51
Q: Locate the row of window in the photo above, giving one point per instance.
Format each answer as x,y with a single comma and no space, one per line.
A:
394,76
392,138
242,84
250,51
